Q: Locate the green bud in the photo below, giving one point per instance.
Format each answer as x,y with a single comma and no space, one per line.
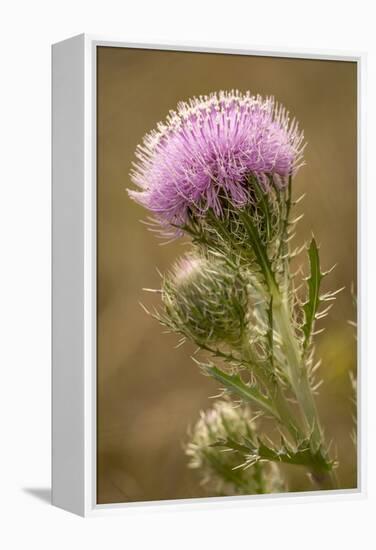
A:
206,300
220,468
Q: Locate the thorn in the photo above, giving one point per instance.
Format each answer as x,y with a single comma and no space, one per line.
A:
144,308
323,314
317,386
180,343
324,273
316,332
316,366
154,290
326,310
296,220
331,295
299,199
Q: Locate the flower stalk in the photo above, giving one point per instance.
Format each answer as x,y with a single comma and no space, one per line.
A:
303,392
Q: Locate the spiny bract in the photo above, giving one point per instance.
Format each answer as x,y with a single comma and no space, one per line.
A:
206,300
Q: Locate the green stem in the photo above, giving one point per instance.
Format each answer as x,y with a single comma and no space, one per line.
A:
297,374
275,393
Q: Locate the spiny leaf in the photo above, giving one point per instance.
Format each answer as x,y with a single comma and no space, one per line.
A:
259,249
285,221
234,384
262,203
313,282
270,331
227,357
302,455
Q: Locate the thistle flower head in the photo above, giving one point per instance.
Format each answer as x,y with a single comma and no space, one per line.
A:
205,152
206,300
220,468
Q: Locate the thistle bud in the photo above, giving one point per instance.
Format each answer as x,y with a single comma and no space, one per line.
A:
220,468
206,300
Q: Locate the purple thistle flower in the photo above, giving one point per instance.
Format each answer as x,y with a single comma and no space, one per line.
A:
208,149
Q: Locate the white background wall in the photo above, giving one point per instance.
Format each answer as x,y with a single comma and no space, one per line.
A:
27,30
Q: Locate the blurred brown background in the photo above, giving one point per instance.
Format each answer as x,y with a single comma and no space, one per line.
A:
149,392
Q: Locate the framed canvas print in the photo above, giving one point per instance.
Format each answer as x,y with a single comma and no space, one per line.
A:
207,281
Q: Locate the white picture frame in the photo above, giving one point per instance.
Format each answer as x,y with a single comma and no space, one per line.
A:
74,276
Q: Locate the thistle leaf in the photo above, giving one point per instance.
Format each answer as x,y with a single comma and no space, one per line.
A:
234,384
270,332
262,203
259,249
302,455
285,222
313,282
